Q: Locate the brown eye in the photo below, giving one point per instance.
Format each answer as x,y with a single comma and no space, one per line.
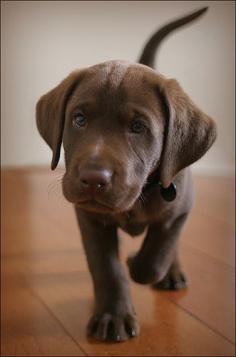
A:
79,120
138,127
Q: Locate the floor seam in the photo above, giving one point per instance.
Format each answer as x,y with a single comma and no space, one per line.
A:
188,246
58,320
215,217
200,320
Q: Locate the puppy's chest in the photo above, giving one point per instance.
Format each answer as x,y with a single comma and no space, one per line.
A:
132,224
135,221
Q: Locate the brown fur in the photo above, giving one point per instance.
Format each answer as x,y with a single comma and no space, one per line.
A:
111,96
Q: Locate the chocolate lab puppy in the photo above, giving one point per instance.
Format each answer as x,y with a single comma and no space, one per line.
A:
129,135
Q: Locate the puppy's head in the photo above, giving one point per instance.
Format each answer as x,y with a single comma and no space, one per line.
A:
119,122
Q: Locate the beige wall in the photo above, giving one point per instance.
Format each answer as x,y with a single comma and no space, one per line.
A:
43,41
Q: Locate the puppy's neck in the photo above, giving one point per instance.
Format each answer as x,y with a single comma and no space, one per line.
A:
153,183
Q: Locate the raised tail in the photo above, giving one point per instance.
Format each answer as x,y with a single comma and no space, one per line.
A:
150,49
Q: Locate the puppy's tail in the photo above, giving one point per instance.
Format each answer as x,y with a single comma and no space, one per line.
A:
150,49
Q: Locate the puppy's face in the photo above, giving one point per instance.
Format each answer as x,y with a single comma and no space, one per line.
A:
113,136
118,123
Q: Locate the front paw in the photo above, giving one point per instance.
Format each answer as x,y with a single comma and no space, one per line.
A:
113,327
174,280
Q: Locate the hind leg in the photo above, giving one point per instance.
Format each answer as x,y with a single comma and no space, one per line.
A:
174,279
157,256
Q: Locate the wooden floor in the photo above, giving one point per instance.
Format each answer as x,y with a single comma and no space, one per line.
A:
47,291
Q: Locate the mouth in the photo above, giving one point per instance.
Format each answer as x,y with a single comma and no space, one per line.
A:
93,205
96,206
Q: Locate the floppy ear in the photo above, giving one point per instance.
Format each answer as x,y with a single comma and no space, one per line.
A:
189,132
50,114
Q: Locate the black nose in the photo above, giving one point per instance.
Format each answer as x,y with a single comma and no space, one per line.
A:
95,179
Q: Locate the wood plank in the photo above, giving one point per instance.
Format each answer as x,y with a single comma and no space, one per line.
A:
28,329
29,218
211,293
211,236
211,226
28,326
214,196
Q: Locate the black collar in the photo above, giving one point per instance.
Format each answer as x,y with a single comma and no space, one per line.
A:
153,182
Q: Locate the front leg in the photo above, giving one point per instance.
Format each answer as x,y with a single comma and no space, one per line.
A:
114,316
158,252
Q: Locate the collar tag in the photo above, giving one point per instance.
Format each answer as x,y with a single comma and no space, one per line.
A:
169,193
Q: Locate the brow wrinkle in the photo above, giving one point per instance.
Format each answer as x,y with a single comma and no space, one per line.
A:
115,72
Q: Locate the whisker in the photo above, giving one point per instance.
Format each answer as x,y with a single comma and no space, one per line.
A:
142,200
54,188
127,213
